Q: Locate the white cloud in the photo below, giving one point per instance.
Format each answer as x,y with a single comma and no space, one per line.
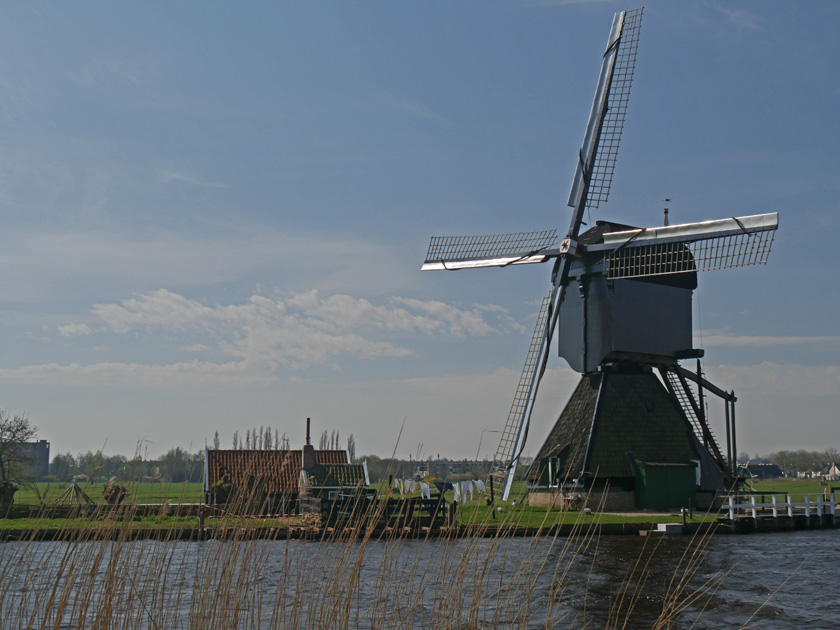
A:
772,379
136,375
715,338
164,258
196,347
175,176
261,335
71,330
440,314
740,18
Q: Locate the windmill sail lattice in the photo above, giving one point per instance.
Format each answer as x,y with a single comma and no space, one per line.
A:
487,250
506,453
721,244
603,168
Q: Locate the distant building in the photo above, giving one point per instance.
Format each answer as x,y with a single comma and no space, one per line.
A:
832,472
760,470
36,459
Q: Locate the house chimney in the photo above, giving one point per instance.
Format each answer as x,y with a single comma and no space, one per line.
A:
307,460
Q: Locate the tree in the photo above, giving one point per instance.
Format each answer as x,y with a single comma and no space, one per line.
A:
351,448
174,464
91,463
216,441
15,432
63,466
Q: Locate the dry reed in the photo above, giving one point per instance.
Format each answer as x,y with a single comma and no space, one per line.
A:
356,575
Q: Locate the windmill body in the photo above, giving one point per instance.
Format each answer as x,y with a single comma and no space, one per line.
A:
608,319
620,298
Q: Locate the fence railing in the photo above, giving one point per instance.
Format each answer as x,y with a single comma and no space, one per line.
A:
814,504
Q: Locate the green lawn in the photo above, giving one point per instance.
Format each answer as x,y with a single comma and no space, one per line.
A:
139,492
471,512
797,488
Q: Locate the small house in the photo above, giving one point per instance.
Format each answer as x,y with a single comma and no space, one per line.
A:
273,480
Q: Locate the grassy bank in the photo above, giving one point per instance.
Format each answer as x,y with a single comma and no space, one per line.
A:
138,492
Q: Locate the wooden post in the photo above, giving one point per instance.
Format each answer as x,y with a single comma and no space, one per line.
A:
734,437
729,442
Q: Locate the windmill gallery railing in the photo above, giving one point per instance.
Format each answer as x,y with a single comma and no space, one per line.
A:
755,506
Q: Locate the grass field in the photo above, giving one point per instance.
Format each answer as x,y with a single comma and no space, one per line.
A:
139,492
795,487
471,512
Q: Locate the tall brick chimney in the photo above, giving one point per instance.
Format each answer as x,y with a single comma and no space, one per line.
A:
308,453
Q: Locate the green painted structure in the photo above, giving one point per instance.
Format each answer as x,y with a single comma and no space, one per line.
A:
665,485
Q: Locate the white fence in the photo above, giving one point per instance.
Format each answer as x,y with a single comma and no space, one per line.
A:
753,507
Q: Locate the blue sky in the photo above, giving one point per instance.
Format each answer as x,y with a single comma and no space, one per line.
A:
214,214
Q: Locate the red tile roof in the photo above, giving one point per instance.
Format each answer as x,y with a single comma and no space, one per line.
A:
280,470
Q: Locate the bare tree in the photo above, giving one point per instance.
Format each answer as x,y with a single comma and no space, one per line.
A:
216,442
323,444
351,448
235,440
15,432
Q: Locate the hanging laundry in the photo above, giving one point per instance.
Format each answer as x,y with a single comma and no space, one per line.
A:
479,484
466,490
456,492
425,491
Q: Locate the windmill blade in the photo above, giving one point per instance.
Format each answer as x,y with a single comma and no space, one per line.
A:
516,427
598,153
488,250
703,246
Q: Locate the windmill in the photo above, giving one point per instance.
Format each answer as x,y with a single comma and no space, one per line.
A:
620,300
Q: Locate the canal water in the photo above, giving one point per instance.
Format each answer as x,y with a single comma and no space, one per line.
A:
785,580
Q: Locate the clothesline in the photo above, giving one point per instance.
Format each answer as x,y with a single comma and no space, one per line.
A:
463,490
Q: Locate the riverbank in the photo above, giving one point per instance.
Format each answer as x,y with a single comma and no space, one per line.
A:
272,530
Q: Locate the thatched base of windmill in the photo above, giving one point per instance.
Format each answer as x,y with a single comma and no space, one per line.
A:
624,444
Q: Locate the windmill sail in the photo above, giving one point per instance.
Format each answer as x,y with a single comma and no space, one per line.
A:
703,246
515,431
488,250
596,160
